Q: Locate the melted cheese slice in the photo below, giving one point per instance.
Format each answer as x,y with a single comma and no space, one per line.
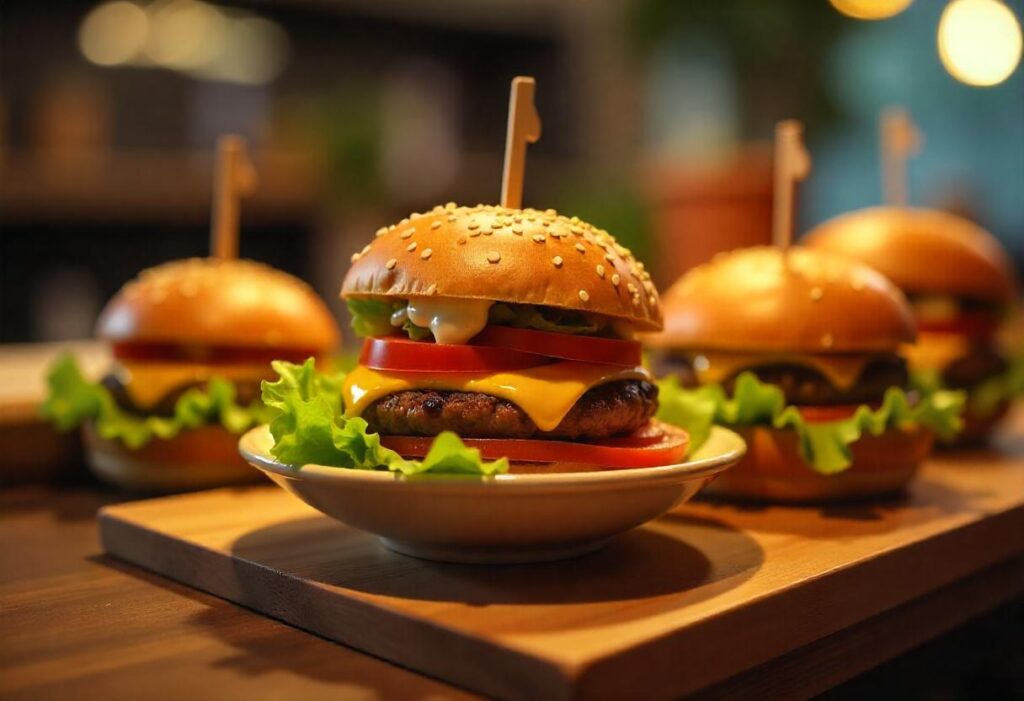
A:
936,351
147,383
545,393
841,370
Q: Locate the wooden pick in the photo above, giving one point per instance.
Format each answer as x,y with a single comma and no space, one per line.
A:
792,164
234,179
900,139
523,128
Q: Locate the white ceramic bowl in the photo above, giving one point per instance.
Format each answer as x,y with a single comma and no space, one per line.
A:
505,518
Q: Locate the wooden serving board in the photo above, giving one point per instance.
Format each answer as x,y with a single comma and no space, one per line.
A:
763,600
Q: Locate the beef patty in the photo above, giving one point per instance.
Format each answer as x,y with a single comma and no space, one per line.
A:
803,385
612,409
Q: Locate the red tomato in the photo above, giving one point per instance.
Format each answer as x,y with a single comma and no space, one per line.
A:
660,445
976,325
213,355
587,349
405,355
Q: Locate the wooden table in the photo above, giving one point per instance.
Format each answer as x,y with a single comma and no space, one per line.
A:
74,624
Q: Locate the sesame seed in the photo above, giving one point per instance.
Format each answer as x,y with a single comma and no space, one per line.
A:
609,257
449,206
631,287
474,234
817,293
366,249
498,225
436,225
487,231
415,215
493,256
517,230
584,295
355,257
411,247
651,300
550,212
381,231
540,238
616,279
390,265
432,289
557,260
545,223
580,248
473,225
452,220
577,231
408,233
426,253
827,340
600,271
636,300
462,241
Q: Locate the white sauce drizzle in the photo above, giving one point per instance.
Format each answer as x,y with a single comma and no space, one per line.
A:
450,320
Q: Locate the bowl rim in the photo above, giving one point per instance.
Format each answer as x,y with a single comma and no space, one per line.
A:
722,449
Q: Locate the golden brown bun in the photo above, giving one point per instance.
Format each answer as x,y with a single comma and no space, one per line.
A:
758,300
194,459
219,302
772,469
923,251
507,255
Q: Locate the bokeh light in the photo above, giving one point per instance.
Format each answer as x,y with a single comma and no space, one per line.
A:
979,41
114,33
870,9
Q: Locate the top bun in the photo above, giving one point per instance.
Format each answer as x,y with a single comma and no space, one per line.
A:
210,301
804,301
924,251
521,256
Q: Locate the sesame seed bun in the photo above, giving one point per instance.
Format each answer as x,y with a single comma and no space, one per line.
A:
923,251
506,255
219,302
803,301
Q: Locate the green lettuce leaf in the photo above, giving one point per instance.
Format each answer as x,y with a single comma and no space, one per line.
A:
985,398
309,427
73,400
527,316
824,446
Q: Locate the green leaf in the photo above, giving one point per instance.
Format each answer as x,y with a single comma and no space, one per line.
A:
72,400
824,446
309,427
527,316
371,317
987,396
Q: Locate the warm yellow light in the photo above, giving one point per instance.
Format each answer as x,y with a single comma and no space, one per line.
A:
871,9
979,41
113,33
185,34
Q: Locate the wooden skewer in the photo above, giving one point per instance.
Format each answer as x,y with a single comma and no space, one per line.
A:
792,164
900,140
234,179
523,128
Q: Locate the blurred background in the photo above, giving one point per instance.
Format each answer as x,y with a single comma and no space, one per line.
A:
657,119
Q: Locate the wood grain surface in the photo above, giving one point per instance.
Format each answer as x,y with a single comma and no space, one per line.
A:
75,624
702,595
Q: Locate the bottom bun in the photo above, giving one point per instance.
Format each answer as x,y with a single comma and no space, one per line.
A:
977,429
773,470
194,459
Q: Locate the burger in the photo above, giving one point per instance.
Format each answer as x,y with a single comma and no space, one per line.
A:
496,339
799,351
191,341
960,284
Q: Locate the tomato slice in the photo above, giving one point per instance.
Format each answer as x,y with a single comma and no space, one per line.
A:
587,349
977,325
660,445
211,355
405,355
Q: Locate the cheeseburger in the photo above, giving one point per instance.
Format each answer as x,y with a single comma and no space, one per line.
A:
800,352
960,284
191,342
512,328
